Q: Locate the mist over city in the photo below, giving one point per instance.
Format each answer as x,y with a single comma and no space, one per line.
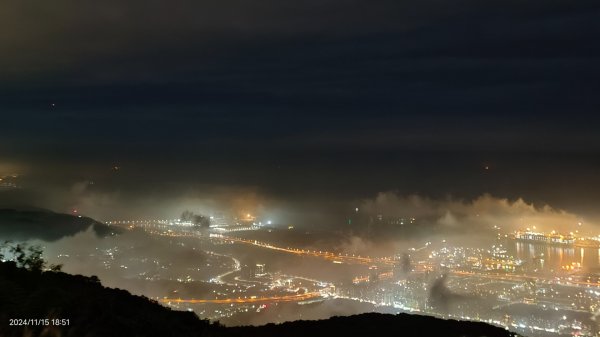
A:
262,162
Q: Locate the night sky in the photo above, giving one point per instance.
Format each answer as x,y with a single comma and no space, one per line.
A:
299,100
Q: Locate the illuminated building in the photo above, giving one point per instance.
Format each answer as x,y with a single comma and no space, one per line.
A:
260,270
552,238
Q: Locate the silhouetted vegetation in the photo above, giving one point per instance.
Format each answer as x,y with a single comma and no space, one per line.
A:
198,220
373,324
26,256
92,310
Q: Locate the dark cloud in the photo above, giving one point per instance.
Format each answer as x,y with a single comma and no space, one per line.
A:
340,99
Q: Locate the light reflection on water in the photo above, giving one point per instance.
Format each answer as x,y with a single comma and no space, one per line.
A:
555,257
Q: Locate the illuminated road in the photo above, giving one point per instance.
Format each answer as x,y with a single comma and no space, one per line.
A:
520,277
352,259
285,298
237,267
339,257
336,258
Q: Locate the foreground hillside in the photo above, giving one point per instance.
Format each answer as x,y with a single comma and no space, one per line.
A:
372,324
93,310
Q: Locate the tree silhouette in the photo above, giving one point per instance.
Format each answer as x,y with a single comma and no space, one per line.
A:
199,220
26,256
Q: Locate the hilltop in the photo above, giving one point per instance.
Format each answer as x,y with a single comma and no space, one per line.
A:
32,223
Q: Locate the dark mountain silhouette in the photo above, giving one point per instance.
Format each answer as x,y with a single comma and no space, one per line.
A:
32,223
93,310
373,324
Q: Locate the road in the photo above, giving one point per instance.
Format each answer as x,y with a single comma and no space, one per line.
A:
237,267
521,277
284,298
339,257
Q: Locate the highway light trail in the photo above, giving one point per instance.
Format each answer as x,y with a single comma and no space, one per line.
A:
237,267
519,278
339,257
284,298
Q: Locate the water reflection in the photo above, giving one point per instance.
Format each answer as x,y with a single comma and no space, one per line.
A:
549,257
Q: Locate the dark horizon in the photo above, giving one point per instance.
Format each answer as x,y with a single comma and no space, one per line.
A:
298,102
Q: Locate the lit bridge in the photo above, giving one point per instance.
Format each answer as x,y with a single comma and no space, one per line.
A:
339,257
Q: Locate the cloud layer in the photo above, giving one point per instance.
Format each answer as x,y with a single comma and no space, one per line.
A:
480,214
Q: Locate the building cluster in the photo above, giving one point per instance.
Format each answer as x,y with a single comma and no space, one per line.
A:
509,283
